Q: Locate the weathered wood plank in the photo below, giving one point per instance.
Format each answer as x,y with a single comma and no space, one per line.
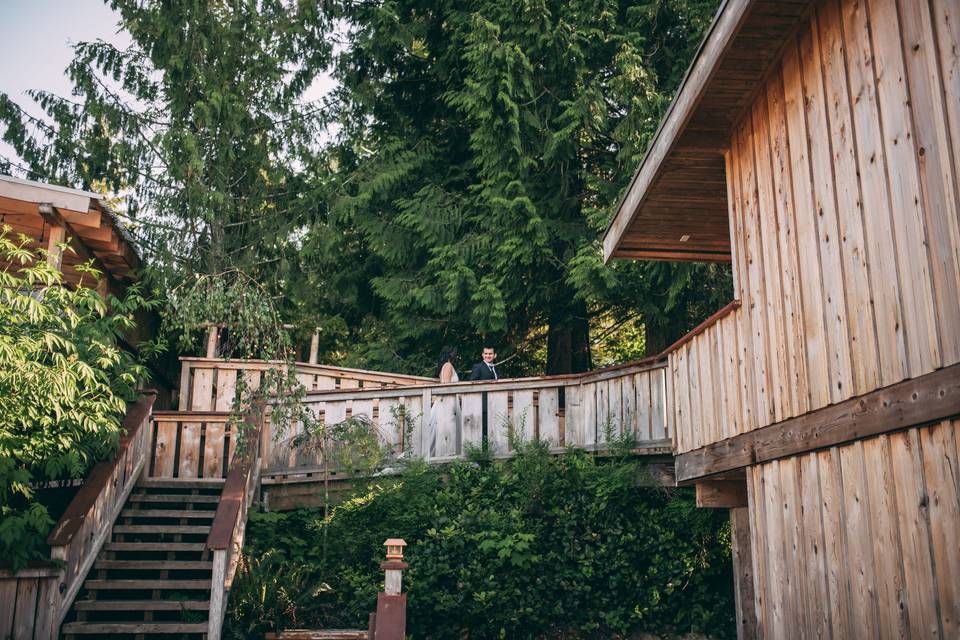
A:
472,412
928,398
914,518
923,352
835,547
189,463
809,276
214,450
226,389
201,398
721,494
165,451
743,576
524,420
548,414
26,608
885,283
857,516
498,421
444,415
642,401
813,552
573,416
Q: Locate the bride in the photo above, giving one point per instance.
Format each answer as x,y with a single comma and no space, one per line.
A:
448,371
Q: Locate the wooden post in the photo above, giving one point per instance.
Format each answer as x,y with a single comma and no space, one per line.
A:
212,334
314,348
743,573
217,594
58,235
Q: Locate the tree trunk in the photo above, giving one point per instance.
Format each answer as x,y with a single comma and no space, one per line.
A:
568,341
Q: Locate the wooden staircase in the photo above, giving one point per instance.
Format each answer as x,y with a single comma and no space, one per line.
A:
153,577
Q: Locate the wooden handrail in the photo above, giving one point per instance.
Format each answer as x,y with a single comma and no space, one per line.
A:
304,367
235,486
505,384
99,477
716,317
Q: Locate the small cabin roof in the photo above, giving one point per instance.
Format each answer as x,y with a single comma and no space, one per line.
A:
92,229
676,205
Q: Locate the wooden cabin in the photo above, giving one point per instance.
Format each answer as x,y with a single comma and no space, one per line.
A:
815,146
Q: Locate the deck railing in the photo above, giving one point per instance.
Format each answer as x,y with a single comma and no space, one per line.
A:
439,421
209,384
195,444
229,523
86,524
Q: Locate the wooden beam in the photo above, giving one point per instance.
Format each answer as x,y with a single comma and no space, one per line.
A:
58,235
685,256
314,348
929,398
721,494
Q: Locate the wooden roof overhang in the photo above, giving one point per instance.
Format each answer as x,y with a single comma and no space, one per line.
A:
676,205
92,231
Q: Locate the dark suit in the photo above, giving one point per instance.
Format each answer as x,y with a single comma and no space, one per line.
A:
481,371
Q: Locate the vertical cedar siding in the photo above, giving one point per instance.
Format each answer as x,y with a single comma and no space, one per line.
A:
842,183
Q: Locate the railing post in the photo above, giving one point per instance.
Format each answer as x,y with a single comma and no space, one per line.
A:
314,347
391,617
213,333
217,594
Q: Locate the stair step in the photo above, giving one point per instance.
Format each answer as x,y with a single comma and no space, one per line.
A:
133,627
154,546
177,483
141,605
171,497
154,564
166,513
160,528
102,585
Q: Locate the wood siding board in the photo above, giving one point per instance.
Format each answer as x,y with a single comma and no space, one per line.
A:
166,445
814,549
26,609
708,416
831,497
444,416
769,248
524,422
794,343
628,395
549,416
201,399
471,407
756,501
643,404
691,399
588,400
8,598
942,475
913,516
932,144
825,215
946,20
497,421
413,405
189,463
903,189
214,450
811,287
660,411
390,423
614,399
779,589
573,415
735,258
885,282
888,561
755,303
850,238
226,389
857,515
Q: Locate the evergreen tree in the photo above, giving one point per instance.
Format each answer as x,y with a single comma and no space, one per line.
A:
201,123
482,151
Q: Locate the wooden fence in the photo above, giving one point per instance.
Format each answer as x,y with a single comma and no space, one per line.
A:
439,421
191,444
33,602
209,384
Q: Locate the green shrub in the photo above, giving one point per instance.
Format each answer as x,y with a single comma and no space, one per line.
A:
539,547
63,386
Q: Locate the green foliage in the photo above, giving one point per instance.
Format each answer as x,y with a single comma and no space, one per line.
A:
539,547
64,381
483,148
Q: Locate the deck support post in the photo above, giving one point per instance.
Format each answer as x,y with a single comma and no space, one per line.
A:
743,573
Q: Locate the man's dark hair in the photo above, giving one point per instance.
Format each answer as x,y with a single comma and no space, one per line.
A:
488,346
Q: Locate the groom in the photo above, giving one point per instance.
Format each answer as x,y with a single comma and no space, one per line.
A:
486,370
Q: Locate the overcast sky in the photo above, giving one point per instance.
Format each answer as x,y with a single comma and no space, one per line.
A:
36,46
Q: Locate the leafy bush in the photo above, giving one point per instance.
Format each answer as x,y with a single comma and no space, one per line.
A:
539,547
63,386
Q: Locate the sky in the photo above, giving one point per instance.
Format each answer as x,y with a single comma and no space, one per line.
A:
36,46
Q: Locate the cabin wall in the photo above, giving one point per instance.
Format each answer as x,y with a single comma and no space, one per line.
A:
860,540
843,197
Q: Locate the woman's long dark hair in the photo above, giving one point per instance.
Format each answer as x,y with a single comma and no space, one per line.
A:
447,354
